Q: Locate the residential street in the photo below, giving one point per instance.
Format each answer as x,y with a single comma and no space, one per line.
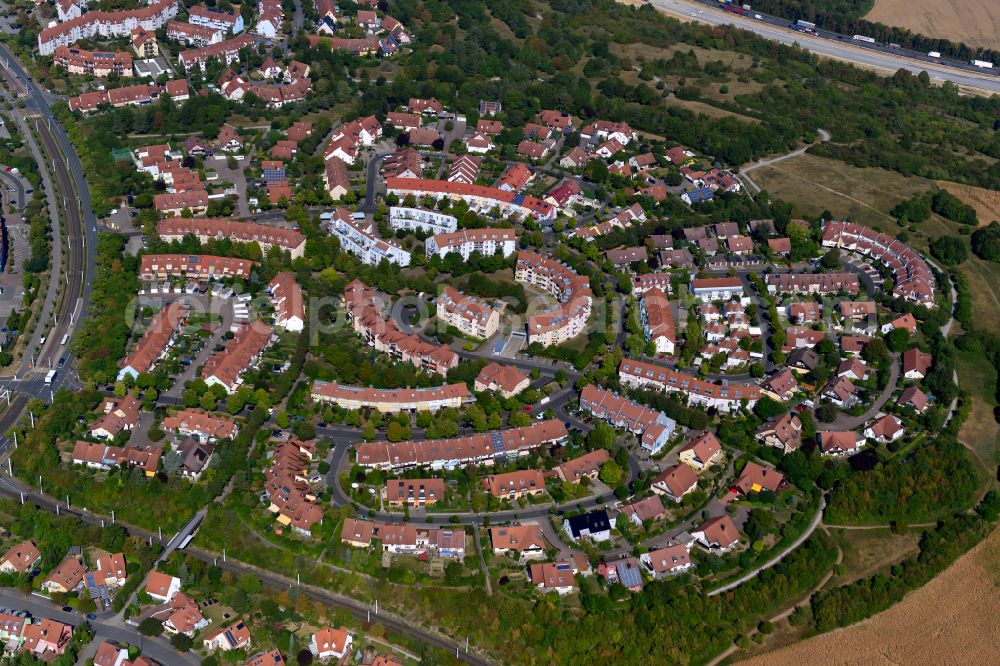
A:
105,627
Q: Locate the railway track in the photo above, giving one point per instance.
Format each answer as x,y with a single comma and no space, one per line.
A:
74,237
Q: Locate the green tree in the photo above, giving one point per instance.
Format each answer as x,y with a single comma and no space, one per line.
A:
150,627
897,340
611,473
949,250
181,642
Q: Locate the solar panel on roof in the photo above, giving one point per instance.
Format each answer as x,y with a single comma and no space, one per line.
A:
498,446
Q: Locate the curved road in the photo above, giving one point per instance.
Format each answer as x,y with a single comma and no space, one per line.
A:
817,519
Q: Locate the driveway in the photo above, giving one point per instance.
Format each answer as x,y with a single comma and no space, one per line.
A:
848,422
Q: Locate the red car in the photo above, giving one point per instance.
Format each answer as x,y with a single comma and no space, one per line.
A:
527,408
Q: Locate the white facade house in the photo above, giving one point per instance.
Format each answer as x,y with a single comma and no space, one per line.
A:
359,237
419,219
717,289
487,242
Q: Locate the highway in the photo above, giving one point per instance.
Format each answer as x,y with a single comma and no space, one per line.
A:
832,45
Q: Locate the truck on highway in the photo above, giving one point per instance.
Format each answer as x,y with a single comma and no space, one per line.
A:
805,26
984,64
933,54
49,378
734,8
863,38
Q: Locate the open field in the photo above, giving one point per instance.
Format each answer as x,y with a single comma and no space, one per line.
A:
815,184
986,202
974,22
980,433
950,620
869,551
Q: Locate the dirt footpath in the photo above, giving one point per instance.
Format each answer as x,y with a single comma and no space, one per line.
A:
951,620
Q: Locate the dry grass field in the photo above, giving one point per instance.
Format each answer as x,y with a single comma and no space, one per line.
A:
975,22
986,202
816,184
951,620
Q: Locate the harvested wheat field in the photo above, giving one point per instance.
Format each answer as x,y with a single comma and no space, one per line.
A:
975,22
951,620
986,202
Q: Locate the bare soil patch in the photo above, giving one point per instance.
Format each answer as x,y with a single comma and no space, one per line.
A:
986,202
974,22
951,618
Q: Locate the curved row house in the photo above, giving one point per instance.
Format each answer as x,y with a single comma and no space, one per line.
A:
567,320
448,453
912,277
106,25
486,242
392,401
364,313
265,235
640,374
195,266
155,341
479,197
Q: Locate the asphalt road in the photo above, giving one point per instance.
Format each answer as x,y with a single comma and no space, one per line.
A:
827,44
107,629
81,225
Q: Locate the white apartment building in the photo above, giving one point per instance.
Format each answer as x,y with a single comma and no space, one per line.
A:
359,237
485,241
106,25
419,219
